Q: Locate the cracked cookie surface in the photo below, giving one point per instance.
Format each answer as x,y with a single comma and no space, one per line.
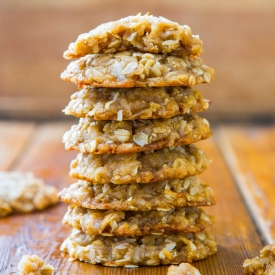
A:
145,33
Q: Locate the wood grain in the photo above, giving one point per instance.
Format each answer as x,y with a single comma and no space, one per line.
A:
250,154
13,138
46,155
234,230
42,232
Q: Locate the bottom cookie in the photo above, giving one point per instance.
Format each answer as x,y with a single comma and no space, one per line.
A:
149,250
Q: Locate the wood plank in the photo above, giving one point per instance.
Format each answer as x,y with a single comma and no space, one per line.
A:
39,232
250,153
234,230
42,233
13,138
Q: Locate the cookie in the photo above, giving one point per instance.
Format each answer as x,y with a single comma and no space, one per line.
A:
135,69
23,193
162,195
145,167
135,103
123,137
263,265
149,250
145,33
137,223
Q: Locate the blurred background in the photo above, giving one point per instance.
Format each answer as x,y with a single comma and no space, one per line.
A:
238,38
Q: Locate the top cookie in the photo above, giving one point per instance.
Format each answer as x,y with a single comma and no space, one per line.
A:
145,33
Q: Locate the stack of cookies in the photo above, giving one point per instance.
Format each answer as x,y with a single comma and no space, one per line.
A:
136,201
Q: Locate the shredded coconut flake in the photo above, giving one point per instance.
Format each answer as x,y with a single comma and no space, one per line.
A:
108,104
120,115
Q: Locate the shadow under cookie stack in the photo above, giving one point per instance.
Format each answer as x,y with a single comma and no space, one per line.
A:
137,198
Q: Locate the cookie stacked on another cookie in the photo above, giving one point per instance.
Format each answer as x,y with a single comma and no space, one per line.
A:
136,201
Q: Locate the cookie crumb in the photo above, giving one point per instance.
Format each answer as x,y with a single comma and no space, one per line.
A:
24,193
263,264
33,265
183,269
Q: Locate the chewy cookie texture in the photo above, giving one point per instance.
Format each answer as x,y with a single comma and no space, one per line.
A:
138,223
132,69
122,137
135,103
146,250
161,195
137,198
145,33
151,166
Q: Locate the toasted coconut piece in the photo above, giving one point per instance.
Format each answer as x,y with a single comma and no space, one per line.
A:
145,33
145,167
137,223
263,265
162,195
135,103
23,193
150,250
135,69
123,137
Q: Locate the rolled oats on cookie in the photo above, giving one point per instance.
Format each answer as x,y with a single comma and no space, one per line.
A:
144,167
145,33
135,103
149,250
162,195
137,223
123,137
135,69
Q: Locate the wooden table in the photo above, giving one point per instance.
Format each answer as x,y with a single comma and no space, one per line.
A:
241,175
